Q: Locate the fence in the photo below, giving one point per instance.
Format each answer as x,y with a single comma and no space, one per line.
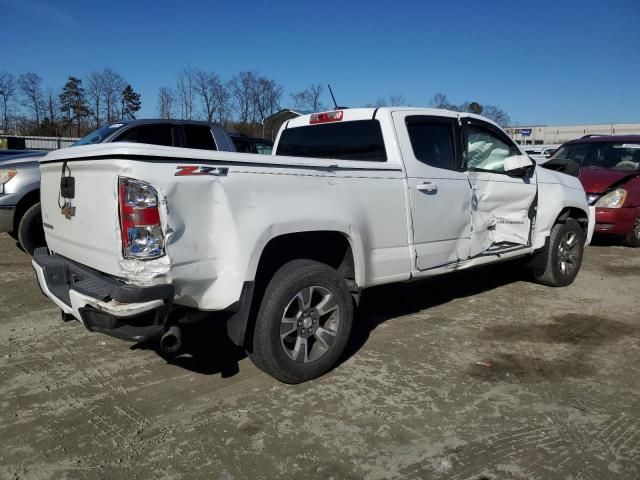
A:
35,143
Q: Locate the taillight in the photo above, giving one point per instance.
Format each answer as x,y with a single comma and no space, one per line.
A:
142,235
326,117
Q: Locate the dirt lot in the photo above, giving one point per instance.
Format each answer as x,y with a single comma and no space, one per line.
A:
559,397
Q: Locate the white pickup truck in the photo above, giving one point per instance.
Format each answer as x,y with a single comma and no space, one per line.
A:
141,237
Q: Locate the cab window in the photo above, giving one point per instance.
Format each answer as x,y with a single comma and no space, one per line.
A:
433,141
199,136
152,134
487,151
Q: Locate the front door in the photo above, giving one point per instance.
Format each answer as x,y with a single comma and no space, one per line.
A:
439,190
503,206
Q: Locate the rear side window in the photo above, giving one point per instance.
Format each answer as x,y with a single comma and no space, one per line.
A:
433,141
242,144
199,136
357,140
153,134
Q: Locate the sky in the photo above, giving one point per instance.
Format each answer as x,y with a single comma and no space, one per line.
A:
544,62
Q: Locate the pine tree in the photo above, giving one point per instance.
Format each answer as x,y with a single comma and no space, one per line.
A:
73,102
130,103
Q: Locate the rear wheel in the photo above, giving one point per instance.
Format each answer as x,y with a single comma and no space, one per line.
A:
564,257
633,238
30,232
303,323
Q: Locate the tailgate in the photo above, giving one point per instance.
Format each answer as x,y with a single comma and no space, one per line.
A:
85,228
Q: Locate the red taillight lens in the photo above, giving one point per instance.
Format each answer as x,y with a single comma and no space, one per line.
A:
326,117
140,226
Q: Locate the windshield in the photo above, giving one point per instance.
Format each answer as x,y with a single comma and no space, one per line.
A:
98,135
614,156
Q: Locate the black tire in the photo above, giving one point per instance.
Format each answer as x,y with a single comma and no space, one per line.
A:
284,307
560,251
633,238
30,231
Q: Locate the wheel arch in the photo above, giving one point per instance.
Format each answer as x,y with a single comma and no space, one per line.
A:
25,203
339,249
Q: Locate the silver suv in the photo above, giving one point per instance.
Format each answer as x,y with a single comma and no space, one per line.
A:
20,175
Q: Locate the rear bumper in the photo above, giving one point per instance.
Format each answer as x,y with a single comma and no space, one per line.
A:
616,221
6,218
102,303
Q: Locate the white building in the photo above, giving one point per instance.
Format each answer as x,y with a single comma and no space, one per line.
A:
554,135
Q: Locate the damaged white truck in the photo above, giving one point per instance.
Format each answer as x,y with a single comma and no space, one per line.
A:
280,248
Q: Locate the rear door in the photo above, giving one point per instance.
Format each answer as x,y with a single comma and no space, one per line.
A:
440,193
503,206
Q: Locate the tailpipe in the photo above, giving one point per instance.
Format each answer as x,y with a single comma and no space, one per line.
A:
171,340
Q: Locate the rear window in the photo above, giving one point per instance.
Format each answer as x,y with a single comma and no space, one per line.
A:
152,134
242,144
199,136
357,140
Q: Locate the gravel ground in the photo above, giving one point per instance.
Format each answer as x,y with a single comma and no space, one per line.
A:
478,376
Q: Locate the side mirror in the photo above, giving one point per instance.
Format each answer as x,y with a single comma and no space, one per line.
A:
519,166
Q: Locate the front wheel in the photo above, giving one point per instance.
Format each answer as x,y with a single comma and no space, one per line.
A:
633,238
564,257
303,323
30,231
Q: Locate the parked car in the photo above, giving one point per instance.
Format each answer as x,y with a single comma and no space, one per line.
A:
20,175
280,247
540,153
13,152
610,174
245,144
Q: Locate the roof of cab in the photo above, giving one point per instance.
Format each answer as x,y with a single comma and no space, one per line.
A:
369,113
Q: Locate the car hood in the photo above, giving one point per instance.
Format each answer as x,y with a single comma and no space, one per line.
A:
599,180
21,160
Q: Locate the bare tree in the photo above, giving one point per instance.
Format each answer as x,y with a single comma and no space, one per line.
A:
166,100
95,94
309,98
113,85
207,84
267,94
30,85
439,100
394,100
314,93
497,115
397,100
222,100
7,90
52,105
242,87
186,93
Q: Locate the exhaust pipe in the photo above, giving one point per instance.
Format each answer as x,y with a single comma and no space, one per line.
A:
171,340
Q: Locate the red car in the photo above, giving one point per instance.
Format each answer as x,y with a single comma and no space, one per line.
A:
610,174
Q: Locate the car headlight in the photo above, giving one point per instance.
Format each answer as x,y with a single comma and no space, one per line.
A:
613,199
7,174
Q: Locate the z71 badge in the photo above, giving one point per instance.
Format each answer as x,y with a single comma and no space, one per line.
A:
184,170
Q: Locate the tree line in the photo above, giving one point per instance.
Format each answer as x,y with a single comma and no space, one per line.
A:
439,100
80,105
240,103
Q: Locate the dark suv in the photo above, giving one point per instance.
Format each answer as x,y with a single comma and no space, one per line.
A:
610,174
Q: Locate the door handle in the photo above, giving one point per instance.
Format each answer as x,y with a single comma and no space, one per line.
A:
428,187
